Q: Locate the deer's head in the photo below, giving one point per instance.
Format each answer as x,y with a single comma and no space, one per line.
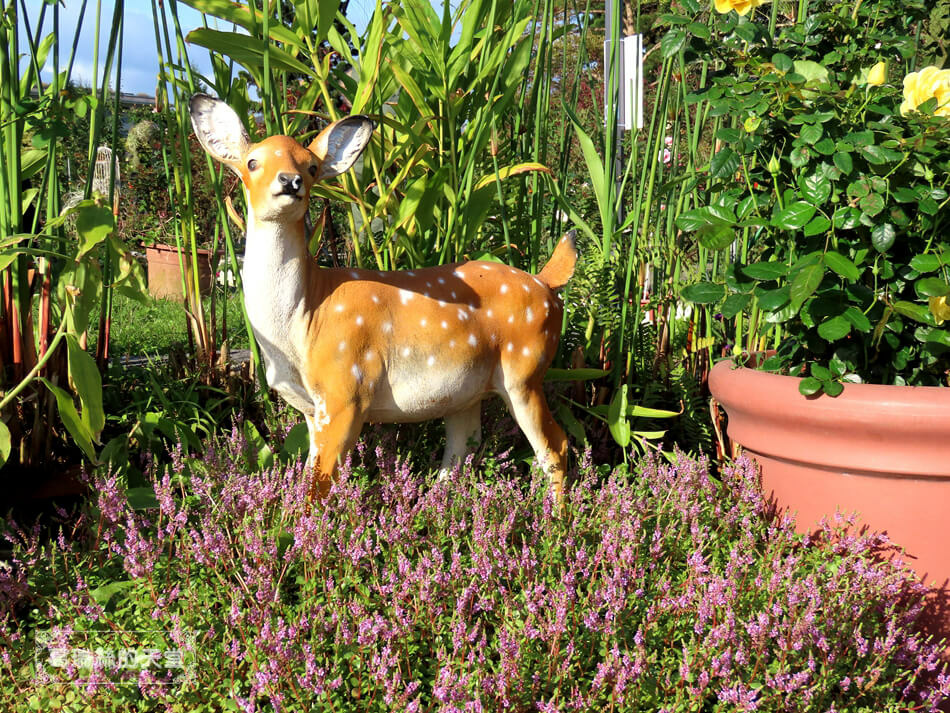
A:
277,172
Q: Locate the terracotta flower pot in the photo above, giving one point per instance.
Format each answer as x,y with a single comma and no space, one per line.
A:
880,451
164,273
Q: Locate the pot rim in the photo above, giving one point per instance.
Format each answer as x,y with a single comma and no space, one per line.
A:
875,428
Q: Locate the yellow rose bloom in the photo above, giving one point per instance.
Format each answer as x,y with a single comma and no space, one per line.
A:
877,75
923,85
939,308
741,6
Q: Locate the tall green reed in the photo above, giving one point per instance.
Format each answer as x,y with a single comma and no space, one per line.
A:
178,81
50,254
455,168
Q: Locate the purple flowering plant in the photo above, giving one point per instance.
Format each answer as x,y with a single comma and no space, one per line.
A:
657,588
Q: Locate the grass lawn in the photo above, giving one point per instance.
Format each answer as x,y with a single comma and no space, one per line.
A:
159,325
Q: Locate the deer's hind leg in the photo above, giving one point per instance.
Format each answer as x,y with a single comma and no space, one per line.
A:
530,409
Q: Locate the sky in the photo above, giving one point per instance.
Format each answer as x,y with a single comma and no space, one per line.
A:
140,58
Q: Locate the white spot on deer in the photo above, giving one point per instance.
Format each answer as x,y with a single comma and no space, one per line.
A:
369,355
525,351
454,296
411,273
442,303
430,361
488,313
472,340
540,284
451,344
462,314
406,351
357,373
338,308
528,315
320,416
511,319
428,284
278,152
375,299
405,296
504,289
387,327
342,346
445,325
441,280
511,346
359,320
354,274
423,322
524,286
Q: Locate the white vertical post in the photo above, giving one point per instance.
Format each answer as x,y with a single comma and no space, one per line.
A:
628,65
631,74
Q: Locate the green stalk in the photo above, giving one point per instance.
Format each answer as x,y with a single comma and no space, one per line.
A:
803,10
96,117
40,363
542,108
610,140
267,91
10,218
105,317
565,138
215,172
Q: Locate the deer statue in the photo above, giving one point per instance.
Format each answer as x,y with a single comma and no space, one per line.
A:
348,346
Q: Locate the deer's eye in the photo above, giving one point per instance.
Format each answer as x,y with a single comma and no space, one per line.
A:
252,164
313,170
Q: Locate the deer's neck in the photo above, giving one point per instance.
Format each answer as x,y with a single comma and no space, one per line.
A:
277,270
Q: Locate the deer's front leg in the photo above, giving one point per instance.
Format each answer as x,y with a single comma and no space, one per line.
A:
332,433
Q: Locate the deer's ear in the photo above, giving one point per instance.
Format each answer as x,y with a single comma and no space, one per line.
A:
219,130
339,145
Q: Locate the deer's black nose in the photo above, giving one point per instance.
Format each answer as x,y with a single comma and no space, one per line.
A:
290,182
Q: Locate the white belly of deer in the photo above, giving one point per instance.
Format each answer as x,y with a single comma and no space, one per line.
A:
421,391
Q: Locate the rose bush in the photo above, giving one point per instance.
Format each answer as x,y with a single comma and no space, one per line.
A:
825,196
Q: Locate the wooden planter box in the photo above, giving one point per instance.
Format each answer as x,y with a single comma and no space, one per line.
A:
164,271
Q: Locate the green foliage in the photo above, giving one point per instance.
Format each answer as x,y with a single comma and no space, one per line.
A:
837,200
160,327
933,39
434,176
59,259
